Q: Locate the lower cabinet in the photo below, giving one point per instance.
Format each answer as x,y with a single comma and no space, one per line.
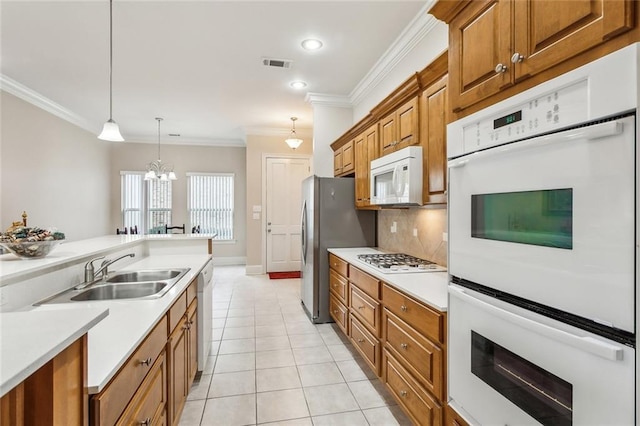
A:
366,343
152,386
452,418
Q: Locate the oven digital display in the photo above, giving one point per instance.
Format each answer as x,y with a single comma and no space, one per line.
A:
541,394
507,119
539,218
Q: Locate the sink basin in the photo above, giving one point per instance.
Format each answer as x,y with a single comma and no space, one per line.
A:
147,275
121,291
134,285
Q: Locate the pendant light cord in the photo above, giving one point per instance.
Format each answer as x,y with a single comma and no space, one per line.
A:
159,120
110,59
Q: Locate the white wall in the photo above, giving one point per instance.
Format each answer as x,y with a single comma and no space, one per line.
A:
56,171
329,123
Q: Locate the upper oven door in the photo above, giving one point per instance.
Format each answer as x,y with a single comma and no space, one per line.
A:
551,219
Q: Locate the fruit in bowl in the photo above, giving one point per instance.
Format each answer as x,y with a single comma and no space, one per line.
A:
30,243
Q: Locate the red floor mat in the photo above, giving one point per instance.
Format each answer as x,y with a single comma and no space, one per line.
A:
283,275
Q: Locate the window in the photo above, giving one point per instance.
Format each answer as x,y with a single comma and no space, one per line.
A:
211,204
145,204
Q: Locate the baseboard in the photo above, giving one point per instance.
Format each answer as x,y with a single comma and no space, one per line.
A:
229,260
254,270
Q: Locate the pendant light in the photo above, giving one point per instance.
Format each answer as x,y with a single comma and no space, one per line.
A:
111,131
293,141
156,169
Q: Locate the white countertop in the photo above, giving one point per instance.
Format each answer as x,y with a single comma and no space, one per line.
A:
428,287
114,339
31,339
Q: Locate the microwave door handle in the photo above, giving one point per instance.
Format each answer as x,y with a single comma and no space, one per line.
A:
394,180
587,344
595,131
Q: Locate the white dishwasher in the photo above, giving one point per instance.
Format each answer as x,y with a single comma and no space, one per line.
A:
205,306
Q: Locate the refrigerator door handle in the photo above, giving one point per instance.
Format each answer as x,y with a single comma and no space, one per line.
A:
303,232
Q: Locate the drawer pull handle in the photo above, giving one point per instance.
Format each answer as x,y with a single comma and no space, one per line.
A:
335,311
403,393
404,346
403,308
360,307
360,340
146,362
146,422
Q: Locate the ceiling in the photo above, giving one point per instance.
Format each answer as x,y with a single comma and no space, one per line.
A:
197,64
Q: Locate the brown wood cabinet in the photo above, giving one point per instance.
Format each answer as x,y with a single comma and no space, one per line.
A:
339,292
434,108
366,150
183,362
344,159
452,418
495,44
400,128
148,405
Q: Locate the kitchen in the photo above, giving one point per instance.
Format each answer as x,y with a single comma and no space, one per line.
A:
429,224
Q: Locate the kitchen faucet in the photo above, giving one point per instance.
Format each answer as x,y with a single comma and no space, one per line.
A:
90,273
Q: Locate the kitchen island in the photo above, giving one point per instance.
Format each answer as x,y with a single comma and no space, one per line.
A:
113,342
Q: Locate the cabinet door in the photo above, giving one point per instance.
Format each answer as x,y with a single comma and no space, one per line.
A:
192,321
388,134
337,162
479,52
362,171
407,123
347,157
372,145
548,32
434,141
178,385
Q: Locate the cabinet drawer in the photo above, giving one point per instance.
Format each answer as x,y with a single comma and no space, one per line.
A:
339,313
109,404
338,285
150,401
365,282
192,291
423,359
177,311
452,418
365,343
420,406
337,264
366,309
425,320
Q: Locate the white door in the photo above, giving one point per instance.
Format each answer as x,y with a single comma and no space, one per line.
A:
283,212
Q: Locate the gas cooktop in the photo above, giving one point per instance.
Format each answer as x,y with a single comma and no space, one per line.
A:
397,263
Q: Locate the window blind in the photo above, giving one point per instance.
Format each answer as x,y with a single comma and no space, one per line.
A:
132,199
211,203
145,204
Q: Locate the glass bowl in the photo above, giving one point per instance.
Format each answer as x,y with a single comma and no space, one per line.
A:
32,249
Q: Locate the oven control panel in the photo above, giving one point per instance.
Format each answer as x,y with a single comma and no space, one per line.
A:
552,111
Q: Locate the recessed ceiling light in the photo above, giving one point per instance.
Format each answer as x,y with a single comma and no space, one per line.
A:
298,84
311,44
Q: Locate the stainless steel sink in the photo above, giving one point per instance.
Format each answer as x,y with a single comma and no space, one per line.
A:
120,291
142,276
133,285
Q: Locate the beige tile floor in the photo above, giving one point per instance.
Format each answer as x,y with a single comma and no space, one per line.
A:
270,365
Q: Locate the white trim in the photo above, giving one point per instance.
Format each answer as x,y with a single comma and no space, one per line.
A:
210,174
326,99
254,270
277,131
229,260
230,143
29,95
417,29
263,216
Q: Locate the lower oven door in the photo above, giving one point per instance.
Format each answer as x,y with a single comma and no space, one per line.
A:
558,213
509,366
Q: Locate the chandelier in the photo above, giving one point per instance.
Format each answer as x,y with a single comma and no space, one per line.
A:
293,141
156,169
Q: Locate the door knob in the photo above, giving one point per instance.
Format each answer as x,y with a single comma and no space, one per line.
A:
268,230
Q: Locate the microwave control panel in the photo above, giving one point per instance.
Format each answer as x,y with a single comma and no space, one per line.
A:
561,108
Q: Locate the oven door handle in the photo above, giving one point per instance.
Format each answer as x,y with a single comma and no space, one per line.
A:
587,344
596,131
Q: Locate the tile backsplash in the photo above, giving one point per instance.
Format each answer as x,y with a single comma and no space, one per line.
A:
429,223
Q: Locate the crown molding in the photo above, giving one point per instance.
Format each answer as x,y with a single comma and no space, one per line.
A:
418,28
303,132
29,95
232,143
325,99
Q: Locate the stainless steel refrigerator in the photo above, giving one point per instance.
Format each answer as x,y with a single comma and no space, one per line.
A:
329,220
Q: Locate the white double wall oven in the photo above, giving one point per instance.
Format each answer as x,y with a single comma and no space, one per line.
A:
543,200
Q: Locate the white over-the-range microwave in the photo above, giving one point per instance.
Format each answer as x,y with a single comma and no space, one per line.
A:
396,178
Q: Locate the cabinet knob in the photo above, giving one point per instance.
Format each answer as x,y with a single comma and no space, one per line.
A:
516,57
360,340
146,361
403,308
500,68
335,311
403,393
404,346
360,307
146,422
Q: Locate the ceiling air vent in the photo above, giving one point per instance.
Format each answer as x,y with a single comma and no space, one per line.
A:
277,63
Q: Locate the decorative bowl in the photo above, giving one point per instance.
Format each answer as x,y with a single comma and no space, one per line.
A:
31,249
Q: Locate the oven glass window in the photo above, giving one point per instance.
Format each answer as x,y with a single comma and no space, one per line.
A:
541,218
544,396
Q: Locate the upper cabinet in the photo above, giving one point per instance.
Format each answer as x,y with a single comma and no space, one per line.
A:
495,45
433,132
366,148
400,128
344,160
